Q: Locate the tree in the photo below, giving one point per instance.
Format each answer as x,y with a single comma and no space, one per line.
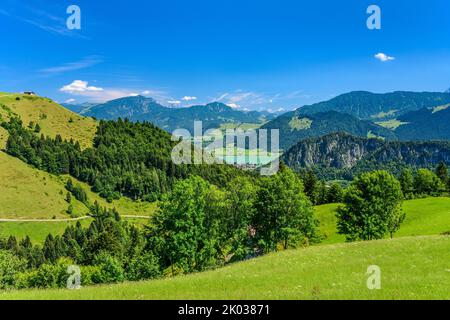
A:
186,231
284,214
142,267
111,268
37,128
322,190
68,197
10,266
310,186
427,182
372,207
442,172
407,183
335,194
240,209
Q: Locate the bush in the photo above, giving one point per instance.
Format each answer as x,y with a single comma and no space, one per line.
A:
48,275
111,269
10,266
143,267
90,274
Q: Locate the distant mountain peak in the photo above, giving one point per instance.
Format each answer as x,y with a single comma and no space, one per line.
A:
447,91
218,106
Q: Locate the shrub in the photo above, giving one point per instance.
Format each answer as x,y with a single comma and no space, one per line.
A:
143,267
10,266
111,269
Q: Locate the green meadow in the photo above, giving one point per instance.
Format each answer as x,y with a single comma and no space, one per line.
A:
413,265
429,216
411,268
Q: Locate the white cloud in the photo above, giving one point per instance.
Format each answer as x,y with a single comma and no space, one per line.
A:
79,86
146,92
70,100
95,94
384,57
241,98
223,96
174,102
188,98
72,66
133,94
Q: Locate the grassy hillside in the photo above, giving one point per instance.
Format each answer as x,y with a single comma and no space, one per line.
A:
51,117
37,231
29,193
3,138
430,216
411,268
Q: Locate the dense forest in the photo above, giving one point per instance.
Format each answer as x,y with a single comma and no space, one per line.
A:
208,216
343,156
197,227
127,159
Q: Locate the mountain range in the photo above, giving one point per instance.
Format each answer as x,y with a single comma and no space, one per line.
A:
399,115
294,126
378,106
340,155
139,108
391,116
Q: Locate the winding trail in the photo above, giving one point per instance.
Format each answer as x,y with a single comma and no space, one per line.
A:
68,220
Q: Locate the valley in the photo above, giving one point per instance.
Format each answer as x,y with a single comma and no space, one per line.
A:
34,200
187,151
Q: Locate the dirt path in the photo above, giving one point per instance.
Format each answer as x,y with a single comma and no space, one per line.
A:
67,220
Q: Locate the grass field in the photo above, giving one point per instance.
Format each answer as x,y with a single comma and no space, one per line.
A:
430,216
51,117
37,231
33,194
29,193
391,124
411,268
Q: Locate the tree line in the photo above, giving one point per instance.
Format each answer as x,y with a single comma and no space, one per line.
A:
129,159
209,215
198,227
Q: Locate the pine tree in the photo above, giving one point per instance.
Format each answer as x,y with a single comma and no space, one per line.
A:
442,172
407,183
68,197
311,187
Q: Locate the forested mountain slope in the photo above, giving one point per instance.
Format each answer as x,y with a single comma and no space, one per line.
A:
140,108
375,106
342,155
295,126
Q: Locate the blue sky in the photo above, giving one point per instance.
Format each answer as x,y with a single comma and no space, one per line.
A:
248,54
